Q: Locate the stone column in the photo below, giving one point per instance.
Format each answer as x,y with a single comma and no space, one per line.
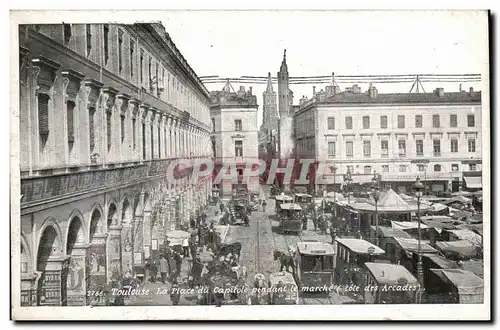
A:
114,253
53,283
153,133
138,239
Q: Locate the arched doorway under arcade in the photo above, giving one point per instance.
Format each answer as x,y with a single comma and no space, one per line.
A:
76,249
53,268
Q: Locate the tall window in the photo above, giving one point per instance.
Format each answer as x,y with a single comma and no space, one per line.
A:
331,122
349,148
213,124
348,122
141,68
383,121
132,50
418,121
43,118
471,145
454,145
366,122
435,121
437,168
436,146
122,127
88,37
238,148
143,141
331,149
401,121
471,121
385,168
237,125
419,144
91,129
454,167
120,51
70,110
106,43
108,128
472,167
402,168
367,170
151,135
402,147
384,147
159,142
150,77
421,168
156,79
67,32
453,120
367,148
133,132
350,169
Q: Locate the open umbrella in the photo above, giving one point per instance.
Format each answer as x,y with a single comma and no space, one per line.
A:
178,234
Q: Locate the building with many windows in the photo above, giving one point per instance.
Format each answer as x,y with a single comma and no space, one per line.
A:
436,136
104,110
235,135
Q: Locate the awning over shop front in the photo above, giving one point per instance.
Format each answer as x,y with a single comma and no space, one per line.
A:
406,225
411,245
468,235
464,248
473,182
467,283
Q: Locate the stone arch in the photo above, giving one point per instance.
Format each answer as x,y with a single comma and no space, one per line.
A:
76,232
26,256
50,243
96,225
127,211
112,215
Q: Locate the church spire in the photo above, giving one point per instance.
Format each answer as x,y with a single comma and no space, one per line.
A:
284,67
269,88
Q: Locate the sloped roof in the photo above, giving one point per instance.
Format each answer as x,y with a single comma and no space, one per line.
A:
359,246
411,245
391,199
466,282
390,273
458,97
463,247
391,232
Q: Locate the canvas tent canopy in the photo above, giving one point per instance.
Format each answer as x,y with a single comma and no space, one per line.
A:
407,225
411,245
470,286
473,182
389,202
466,234
387,232
390,274
463,248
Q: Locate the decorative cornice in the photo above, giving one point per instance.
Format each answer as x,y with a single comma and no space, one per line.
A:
92,92
72,83
109,95
122,103
133,105
47,72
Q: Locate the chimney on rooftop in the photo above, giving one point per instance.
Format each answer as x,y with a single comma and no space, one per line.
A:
250,90
241,92
372,92
440,91
471,90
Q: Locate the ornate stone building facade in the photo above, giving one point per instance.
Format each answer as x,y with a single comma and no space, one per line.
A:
104,111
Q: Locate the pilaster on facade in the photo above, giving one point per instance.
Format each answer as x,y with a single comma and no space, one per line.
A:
95,128
145,131
133,153
153,129
123,126
44,73
110,118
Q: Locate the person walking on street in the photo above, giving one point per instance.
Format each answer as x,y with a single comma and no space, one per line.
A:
192,246
178,264
163,269
154,271
185,247
264,205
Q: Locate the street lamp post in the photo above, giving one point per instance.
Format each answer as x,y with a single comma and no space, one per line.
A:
348,181
419,188
376,197
333,169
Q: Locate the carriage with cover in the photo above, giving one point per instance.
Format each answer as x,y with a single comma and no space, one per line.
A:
290,218
283,289
314,265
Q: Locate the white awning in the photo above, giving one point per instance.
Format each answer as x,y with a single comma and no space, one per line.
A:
474,182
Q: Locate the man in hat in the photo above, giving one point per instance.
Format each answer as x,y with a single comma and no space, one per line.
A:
163,269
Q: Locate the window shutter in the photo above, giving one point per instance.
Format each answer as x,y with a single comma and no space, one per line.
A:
70,108
91,129
43,114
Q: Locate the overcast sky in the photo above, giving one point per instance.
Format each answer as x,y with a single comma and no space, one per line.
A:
234,44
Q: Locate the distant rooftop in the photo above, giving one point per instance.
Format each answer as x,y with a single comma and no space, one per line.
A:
228,96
